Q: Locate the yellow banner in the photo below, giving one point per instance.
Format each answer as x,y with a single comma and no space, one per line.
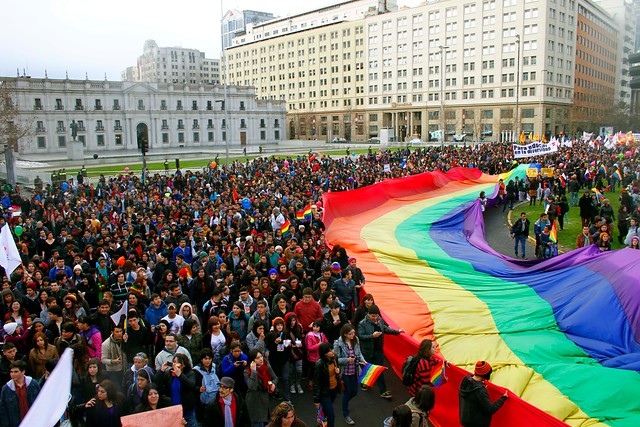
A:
532,172
546,172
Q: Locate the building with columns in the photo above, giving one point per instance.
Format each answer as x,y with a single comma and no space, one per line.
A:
494,67
109,114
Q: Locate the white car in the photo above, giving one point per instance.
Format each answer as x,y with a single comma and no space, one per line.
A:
416,141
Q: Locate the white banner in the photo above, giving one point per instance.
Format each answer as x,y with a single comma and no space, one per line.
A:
535,149
9,255
52,400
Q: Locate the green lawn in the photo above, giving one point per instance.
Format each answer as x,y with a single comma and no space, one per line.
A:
572,224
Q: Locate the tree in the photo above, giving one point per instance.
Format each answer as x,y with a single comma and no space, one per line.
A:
13,127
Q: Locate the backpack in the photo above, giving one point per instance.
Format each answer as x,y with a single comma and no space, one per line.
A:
409,369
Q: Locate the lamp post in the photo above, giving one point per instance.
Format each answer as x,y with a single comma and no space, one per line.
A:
442,121
517,123
223,62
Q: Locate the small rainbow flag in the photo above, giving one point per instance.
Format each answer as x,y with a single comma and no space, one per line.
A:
563,181
285,227
307,212
370,374
438,377
617,174
300,215
597,193
554,233
322,419
603,168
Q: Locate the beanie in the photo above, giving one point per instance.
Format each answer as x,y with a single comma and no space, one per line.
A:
277,320
72,297
482,368
351,259
273,271
335,267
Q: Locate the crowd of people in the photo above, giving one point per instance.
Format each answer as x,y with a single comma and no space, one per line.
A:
213,289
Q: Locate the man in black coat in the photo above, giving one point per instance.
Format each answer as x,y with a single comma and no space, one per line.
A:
216,412
476,409
520,233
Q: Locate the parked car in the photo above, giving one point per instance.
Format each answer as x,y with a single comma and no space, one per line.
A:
338,140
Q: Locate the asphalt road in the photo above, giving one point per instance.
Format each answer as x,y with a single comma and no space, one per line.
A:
368,408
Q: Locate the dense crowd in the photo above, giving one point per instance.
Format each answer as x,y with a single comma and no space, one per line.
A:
216,289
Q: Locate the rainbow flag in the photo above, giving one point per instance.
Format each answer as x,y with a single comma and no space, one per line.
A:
554,233
563,181
603,168
322,418
300,215
438,377
617,174
307,213
285,228
597,193
370,374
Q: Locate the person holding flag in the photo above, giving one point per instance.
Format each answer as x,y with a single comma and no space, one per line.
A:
326,382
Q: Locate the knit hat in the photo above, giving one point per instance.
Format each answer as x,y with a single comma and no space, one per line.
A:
184,272
71,297
10,328
335,267
273,271
277,320
77,267
288,316
482,368
38,320
202,255
32,285
351,259
120,261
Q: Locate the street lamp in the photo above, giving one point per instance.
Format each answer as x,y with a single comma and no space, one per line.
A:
517,136
442,121
223,60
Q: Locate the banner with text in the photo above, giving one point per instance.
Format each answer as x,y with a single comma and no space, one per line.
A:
534,149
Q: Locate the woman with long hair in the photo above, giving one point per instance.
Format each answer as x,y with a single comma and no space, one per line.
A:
180,382
295,335
261,384
17,314
190,336
279,354
214,339
40,354
202,287
284,415
106,408
94,376
349,357
427,361
421,405
152,400
326,382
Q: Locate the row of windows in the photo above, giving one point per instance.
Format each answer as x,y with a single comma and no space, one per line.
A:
78,106
117,125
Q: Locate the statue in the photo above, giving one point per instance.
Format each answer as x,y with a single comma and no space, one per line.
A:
74,129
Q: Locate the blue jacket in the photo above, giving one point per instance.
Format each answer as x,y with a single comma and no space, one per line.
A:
9,406
153,315
210,382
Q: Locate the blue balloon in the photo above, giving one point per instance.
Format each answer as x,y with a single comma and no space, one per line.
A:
65,186
293,173
246,203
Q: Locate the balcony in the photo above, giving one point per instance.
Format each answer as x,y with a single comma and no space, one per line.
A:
180,127
165,127
59,107
118,128
141,108
40,129
243,126
209,108
79,108
163,107
210,126
99,128
262,125
37,107
82,129
194,108
98,108
196,126
116,108
61,129
242,108
179,108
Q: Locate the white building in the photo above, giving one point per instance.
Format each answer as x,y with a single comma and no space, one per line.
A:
110,113
235,23
173,65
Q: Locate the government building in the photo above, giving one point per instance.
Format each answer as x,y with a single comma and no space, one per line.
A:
488,69
110,115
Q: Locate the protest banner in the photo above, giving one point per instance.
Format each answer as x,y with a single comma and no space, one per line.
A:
534,149
165,417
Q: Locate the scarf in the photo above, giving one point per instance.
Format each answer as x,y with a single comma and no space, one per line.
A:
263,374
229,410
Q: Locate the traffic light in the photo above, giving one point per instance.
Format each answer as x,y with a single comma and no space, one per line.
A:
143,142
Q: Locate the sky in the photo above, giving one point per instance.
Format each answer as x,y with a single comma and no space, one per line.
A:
93,38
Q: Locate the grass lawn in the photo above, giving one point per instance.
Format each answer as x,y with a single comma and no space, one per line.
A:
572,224
136,167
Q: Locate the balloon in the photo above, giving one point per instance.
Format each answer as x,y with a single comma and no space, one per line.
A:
620,155
561,165
246,203
593,163
126,169
18,230
628,154
167,195
213,165
65,186
293,173
286,163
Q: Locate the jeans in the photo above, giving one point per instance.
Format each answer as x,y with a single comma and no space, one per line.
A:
283,383
378,359
573,199
190,418
522,240
350,391
326,401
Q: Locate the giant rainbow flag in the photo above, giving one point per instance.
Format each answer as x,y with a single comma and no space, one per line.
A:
562,334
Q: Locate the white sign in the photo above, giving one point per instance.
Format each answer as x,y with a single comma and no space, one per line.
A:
535,149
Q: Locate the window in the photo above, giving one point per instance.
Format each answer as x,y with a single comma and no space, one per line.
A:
100,140
59,105
487,114
179,105
41,142
37,104
527,113
79,105
180,124
165,138
62,141
210,136
116,104
99,126
140,104
181,137
194,105
40,126
196,137
117,125
163,104
118,139
242,107
98,105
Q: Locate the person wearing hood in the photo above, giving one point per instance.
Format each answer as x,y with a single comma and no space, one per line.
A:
92,337
112,355
171,348
476,409
326,381
261,313
17,335
17,395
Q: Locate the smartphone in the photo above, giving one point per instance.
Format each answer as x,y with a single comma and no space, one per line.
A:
170,363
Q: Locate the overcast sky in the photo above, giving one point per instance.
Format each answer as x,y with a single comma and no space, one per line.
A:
105,37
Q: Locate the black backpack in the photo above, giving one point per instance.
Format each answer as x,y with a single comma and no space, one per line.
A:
409,369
